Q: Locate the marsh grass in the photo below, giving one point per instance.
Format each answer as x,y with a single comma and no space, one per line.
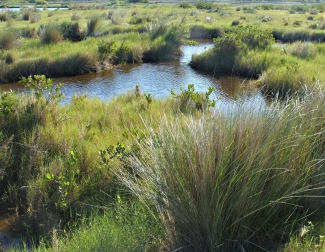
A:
93,25
124,226
8,39
305,50
51,33
223,183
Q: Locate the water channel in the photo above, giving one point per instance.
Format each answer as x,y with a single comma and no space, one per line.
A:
159,79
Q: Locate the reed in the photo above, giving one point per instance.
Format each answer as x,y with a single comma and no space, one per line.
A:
220,183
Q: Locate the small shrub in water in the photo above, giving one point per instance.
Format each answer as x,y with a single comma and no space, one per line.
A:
191,100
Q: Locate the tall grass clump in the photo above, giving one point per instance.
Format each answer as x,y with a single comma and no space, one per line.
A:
8,39
286,80
304,50
224,57
93,25
4,16
51,33
233,182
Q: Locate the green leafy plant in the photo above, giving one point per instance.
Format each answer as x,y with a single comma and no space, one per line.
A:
190,100
43,89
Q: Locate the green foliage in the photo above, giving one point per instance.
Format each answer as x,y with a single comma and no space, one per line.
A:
249,36
185,5
190,100
43,89
204,5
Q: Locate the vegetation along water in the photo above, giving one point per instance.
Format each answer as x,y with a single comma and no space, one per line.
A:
143,173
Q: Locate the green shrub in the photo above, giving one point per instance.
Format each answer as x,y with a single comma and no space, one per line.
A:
202,32
185,5
313,11
297,23
223,58
190,100
250,10
204,5
73,31
235,23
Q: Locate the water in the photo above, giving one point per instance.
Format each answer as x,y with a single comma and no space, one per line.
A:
40,9
159,79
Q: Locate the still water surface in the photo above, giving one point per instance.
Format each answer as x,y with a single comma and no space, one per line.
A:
159,79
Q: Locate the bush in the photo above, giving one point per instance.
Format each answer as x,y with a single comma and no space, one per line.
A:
313,11
204,5
51,33
222,59
185,5
73,31
235,23
250,10
189,100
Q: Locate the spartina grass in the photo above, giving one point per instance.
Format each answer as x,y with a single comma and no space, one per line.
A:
51,33
225,183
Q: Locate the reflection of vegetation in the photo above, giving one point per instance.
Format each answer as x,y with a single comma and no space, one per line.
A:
217,173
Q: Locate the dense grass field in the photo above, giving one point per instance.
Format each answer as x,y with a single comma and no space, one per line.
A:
142,174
